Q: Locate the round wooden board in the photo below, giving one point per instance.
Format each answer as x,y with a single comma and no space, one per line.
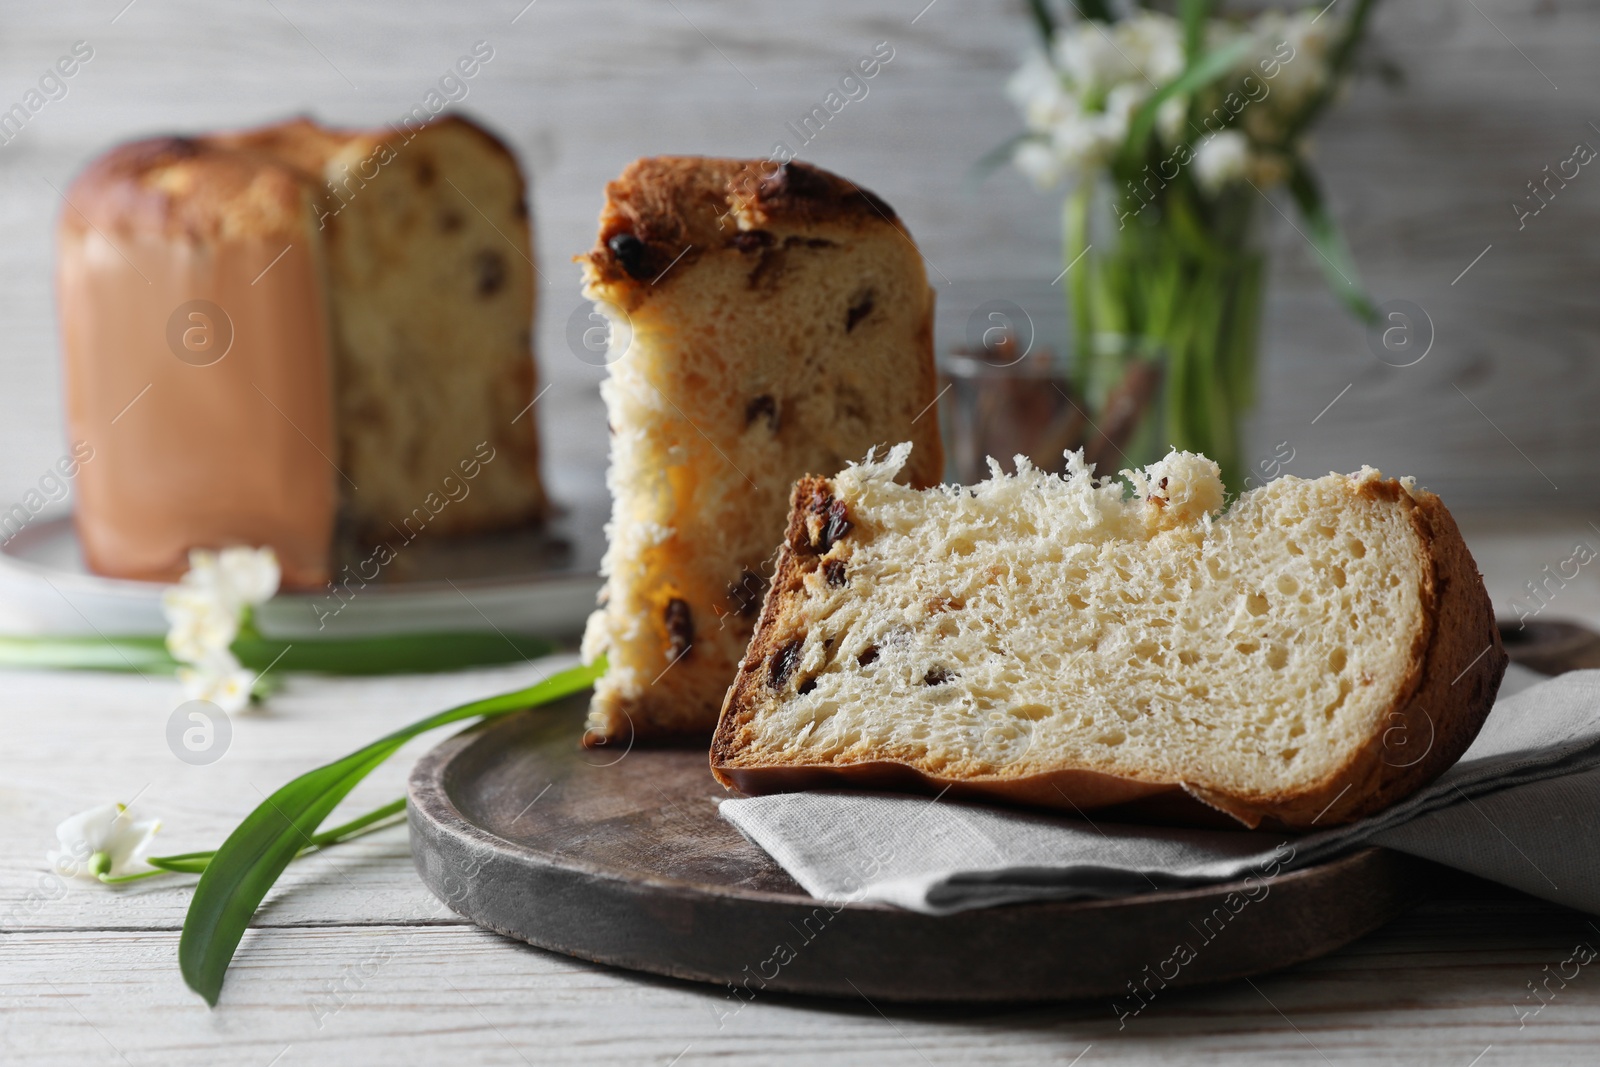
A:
621,858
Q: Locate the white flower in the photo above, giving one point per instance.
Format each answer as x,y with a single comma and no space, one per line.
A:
105,840
1153,43
1222,158
1121,103
1039,162
1083,94
1037,91
1077,142
200,621
1090,58
250,574
1169,118
220,679
238,577
1080,98
1306,69
1147,49
1085,141
205,608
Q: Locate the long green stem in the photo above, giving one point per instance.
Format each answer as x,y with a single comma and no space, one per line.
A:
196,862
119,879
387,654
129,654
1075,234
356,827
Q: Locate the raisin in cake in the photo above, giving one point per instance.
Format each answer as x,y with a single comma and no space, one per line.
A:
270,332
1316,653
770,321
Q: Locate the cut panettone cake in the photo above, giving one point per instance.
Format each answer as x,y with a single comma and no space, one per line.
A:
1320,650
768,321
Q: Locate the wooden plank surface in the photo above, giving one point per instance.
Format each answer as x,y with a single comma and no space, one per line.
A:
352,960
1437,988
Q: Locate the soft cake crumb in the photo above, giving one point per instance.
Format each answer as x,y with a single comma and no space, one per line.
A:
1037,621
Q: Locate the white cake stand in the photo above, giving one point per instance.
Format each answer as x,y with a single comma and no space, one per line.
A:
540,581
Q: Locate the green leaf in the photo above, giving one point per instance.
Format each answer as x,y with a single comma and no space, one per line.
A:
1099,10
134,654
1323,233
388,654
1209,68
250,861
1043,21
1193,14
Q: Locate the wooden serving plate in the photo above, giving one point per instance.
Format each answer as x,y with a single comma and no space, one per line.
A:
621,858
1551,646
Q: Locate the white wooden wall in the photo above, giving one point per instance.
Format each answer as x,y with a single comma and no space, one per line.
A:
1423,177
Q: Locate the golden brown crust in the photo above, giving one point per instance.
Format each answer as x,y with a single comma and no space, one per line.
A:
1464,668
1054,790
1449,688
1447,692
667,209
246,183
306,144
300,142
186,187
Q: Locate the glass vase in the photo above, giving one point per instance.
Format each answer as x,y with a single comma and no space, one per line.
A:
1000,402
1170,282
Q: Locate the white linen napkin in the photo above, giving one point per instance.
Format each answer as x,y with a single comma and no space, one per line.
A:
1522,807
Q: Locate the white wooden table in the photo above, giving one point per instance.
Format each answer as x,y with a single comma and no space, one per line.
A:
352,961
